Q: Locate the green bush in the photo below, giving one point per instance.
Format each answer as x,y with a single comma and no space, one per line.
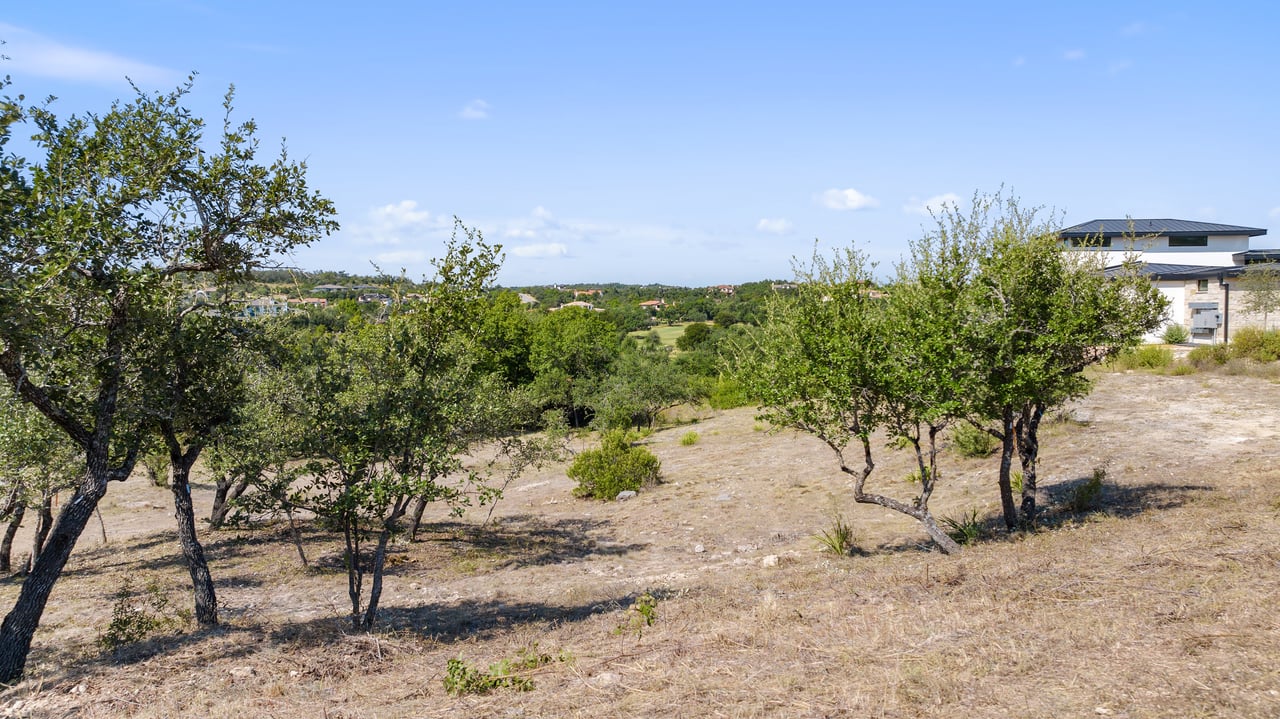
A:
1144,357
1175,334
839,539
1207,356
615,467
134,619
727,393
689,439
1255,344
971,441
967,529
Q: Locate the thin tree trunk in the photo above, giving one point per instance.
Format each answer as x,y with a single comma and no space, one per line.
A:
101,524
44,523
919,512
6,546
297,535
419,507
20,623
206,600
1008,443
355,573
1028,429
380,561
225,492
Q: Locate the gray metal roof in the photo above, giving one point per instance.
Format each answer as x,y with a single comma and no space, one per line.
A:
1249,257
1162,271
1168,227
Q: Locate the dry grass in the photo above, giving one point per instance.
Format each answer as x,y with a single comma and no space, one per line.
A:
1161,604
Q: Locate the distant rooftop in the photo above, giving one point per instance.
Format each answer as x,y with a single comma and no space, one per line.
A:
1164,271
1167,227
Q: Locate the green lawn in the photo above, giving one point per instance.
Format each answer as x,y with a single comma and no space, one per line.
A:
667,334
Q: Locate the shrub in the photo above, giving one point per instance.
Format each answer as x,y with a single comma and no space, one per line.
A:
727,393
965,530
1255,344
1175,334
1207,356
689,439
462,678
970,441
1180,369
1086,495
839,539
134,619
1144,357
615,467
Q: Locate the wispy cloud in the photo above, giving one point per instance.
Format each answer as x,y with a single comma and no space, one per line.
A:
33,54
779,226
1073,55
849,199
396,224
1116,67
542,250
475,110
917,206
1135,28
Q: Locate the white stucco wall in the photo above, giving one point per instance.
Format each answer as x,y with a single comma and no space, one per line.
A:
1218,253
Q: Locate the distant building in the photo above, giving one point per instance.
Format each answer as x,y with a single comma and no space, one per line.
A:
264,307
329,288
1196,265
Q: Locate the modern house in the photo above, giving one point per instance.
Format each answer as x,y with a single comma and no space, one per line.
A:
1197,265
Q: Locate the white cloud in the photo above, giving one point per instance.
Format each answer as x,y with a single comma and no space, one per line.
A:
1073,55
917,206
541,250
849,199
33,54
475,110
396,224
777,226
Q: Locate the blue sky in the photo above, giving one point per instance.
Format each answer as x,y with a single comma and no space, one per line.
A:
699,143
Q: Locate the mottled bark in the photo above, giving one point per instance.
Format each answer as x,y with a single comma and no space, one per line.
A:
1008,445
6,545
225,492
44,523
20,623
180,463
1028,430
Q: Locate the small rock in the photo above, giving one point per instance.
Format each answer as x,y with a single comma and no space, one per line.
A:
78,689
243,672
699,549
724,498
1102,711
294,673
608,678
744,548
625,495
769,561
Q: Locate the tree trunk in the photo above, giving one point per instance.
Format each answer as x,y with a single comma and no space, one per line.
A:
6,546
418,508
355,573
206,600
380,561
20,623
225,492
1007,448
44,523
1028,429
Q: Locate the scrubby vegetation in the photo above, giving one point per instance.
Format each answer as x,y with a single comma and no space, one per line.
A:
617,466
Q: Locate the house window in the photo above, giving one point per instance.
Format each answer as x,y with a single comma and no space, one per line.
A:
1090,241
1202,285
1192,241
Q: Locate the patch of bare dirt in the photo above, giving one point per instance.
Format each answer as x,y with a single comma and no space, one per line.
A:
1159,605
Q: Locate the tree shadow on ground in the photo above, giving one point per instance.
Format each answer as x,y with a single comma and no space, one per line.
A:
463,620
1076,497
